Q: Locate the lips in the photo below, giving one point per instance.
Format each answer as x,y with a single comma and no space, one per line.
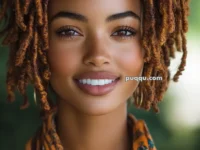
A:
97,90
97,75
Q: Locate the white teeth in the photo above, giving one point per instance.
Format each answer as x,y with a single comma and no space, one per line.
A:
96,81
84,81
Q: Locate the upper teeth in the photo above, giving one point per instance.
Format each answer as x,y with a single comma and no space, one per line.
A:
96,81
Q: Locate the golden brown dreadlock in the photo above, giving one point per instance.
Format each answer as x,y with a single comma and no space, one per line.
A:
25,31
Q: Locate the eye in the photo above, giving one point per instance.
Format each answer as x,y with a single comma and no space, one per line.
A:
125,31
67,32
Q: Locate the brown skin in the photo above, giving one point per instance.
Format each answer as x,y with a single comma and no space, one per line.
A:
85,121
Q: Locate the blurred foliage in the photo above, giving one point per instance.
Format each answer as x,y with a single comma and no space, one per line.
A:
194,18
17,126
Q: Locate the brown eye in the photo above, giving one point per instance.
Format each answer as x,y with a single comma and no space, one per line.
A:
68,32
125,32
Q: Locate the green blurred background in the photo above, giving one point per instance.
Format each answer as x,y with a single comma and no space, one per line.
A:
176,127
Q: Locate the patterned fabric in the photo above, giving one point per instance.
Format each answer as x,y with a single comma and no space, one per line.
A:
138,132
142,139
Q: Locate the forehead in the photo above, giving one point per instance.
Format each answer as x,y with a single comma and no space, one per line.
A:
94,8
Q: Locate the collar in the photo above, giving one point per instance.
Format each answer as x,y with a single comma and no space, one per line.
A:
49,139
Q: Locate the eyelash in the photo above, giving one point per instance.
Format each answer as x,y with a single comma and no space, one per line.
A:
132,32
63,31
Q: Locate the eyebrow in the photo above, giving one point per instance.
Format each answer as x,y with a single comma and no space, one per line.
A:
79,17
123,15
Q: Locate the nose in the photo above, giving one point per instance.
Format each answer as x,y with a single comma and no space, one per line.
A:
97,52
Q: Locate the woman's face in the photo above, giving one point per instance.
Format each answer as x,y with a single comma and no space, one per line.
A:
92,36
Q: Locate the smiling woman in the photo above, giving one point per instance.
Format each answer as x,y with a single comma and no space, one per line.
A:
84,50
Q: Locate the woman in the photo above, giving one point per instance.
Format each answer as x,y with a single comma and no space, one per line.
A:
84,51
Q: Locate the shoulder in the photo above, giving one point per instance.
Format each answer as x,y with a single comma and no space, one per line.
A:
28,144
34,142
142,139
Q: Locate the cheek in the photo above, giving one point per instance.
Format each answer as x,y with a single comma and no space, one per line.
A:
130,60
63,60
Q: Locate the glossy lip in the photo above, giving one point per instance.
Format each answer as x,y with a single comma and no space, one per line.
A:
97,75
97,90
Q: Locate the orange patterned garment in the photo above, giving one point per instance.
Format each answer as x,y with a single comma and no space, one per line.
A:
139,134
142,139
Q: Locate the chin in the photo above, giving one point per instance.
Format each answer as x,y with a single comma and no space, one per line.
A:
95,107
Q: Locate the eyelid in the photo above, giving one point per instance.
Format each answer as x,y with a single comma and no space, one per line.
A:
124,27
69,27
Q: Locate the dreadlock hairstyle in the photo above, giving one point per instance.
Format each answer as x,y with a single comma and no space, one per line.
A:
25,31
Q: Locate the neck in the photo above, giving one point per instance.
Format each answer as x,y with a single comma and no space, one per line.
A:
79,131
